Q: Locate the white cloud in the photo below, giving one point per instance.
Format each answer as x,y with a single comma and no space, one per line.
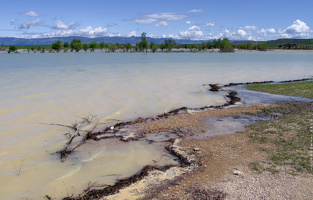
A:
250,28
28,24
298,29
162,23
31,14
85,32
264,32
271,30
132,33
90,31
209,24
237,35
61,25
166,16
188,22
196,10
193,32
144,21
242,33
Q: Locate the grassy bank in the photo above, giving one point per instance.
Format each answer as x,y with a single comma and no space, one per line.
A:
288,138
303,89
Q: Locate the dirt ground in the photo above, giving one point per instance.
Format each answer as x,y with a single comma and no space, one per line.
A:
222,171
224,155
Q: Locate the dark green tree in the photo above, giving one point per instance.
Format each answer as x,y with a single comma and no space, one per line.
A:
77,45
153,47
262,47
143,44
113,47
162,46
12,49
85,46
93,45
250,46
57,46
225,45
128,46
66,45
169,44
102,45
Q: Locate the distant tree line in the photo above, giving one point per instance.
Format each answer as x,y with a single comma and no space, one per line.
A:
251,46
224,45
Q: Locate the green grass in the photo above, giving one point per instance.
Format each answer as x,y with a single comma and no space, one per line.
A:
272,46
302,89
305,43
286,139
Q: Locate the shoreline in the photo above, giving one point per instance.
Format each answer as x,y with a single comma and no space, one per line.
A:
193,129
173,51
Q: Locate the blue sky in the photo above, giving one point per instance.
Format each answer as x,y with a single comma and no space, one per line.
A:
179,19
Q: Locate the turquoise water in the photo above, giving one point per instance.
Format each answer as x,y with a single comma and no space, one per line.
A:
65,87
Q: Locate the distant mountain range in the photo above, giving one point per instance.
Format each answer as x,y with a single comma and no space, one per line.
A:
132,40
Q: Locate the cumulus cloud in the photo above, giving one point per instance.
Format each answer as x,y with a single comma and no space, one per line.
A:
144,21
236,35
31,14
162,23
29,23
85,32
264,32
62,26
298,29
188,22
242,33
209,24
196,10
193,32
166,16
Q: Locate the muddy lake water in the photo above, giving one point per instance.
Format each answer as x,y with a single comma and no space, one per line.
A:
63,88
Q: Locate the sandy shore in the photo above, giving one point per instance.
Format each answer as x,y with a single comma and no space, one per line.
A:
219,158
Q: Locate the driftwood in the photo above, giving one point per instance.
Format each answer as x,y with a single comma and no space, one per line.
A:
232,95
214,87
125,182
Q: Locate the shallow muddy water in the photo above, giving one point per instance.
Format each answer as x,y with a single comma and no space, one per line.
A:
39,89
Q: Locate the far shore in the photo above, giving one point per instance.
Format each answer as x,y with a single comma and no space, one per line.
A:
174,51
